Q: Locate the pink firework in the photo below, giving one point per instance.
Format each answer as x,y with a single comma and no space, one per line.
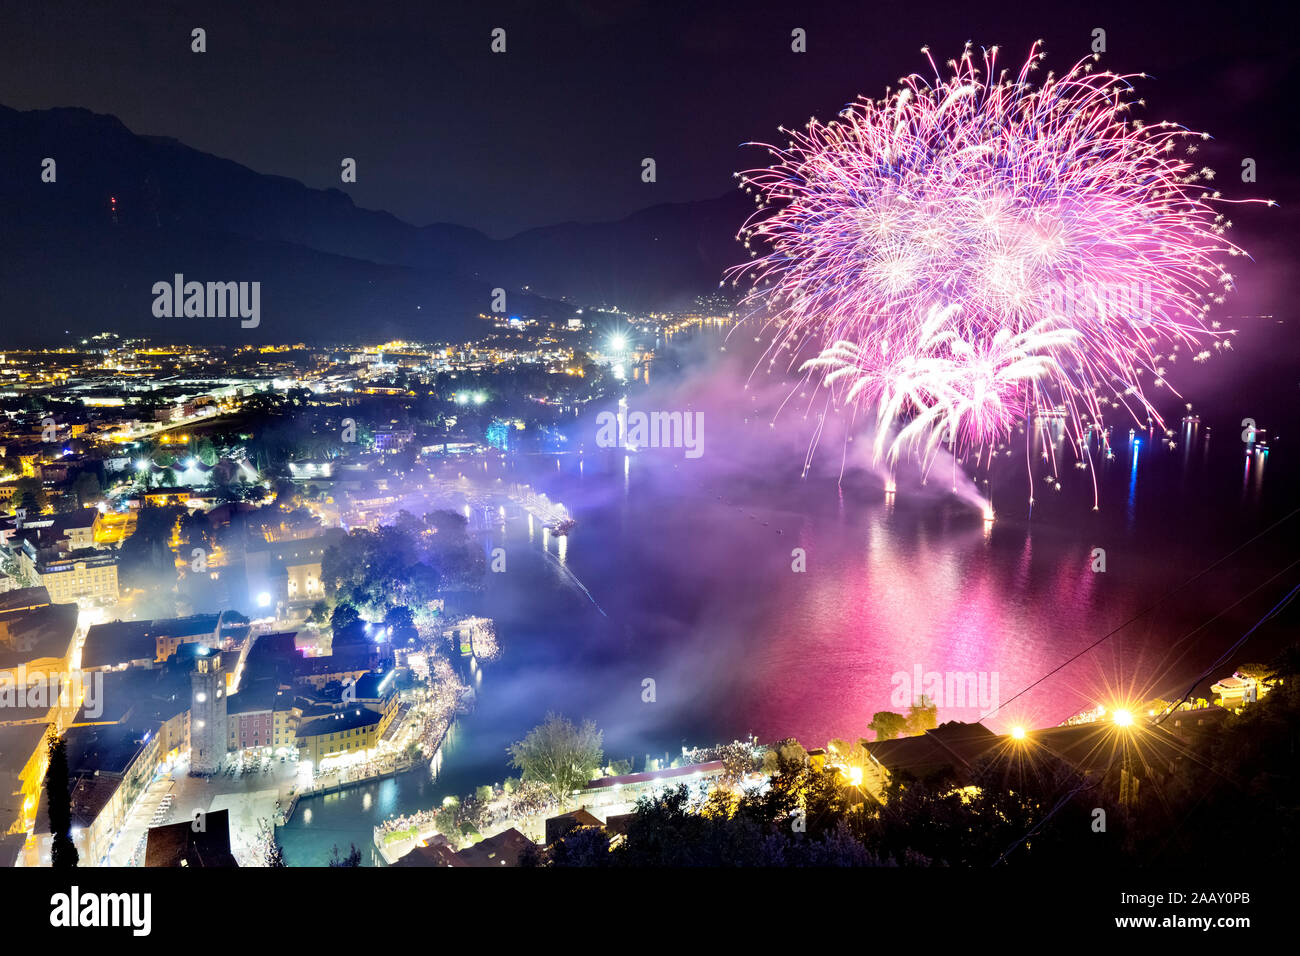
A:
965,253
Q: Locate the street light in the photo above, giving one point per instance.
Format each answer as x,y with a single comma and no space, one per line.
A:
1123,718
1018,733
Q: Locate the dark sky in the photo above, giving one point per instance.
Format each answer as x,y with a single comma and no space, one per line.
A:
555,129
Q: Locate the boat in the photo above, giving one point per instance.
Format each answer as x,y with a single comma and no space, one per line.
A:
563,526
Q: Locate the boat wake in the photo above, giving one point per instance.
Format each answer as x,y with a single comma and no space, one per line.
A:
573,579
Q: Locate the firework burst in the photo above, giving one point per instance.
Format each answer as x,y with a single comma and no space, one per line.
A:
970,251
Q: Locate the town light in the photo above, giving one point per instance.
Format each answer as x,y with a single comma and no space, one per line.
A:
617,342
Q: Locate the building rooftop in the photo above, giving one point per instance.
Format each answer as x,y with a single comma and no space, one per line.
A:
45,632
505,849
349,719
178,844
954,745
136,694
17,744
121,642
256,695
558,826
23,599
105,749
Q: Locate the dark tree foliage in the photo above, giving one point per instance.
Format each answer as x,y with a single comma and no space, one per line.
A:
404,564
146,560
30,494
582,846
344,617
353,857
1239,787
63,852
887,725
811,817
936,821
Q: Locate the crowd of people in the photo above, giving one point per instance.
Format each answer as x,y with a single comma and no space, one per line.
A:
420,820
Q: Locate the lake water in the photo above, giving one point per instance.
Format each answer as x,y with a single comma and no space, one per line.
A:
687,570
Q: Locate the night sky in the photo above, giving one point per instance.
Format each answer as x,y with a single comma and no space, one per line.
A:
556,128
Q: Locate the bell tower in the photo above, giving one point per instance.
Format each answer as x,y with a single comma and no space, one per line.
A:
208,732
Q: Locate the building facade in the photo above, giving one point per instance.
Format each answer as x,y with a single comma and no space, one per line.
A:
208,719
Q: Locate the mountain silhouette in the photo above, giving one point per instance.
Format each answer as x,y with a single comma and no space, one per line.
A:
81,254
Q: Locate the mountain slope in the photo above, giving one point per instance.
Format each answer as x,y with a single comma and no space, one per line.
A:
126,211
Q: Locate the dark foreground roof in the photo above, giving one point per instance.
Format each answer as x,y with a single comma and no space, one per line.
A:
504,849
952,746
179,844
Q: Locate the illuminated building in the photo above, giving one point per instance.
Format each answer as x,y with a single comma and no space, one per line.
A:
112,528
121,644
208,718
88,575
350,731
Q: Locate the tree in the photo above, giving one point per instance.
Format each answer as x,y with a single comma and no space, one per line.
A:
63,852
29,493
319,613
977,822
344,617
560,756
1261,673
445,821
399,618
86,489
1236,787
887,724
146,559
922,716
194,531
207,452
352,859
582,846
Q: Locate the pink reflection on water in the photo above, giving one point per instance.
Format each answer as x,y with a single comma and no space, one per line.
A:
847,644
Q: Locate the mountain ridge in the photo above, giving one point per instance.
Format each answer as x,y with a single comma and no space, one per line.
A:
338,268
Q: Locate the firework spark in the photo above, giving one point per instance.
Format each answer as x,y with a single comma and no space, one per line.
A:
970,252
